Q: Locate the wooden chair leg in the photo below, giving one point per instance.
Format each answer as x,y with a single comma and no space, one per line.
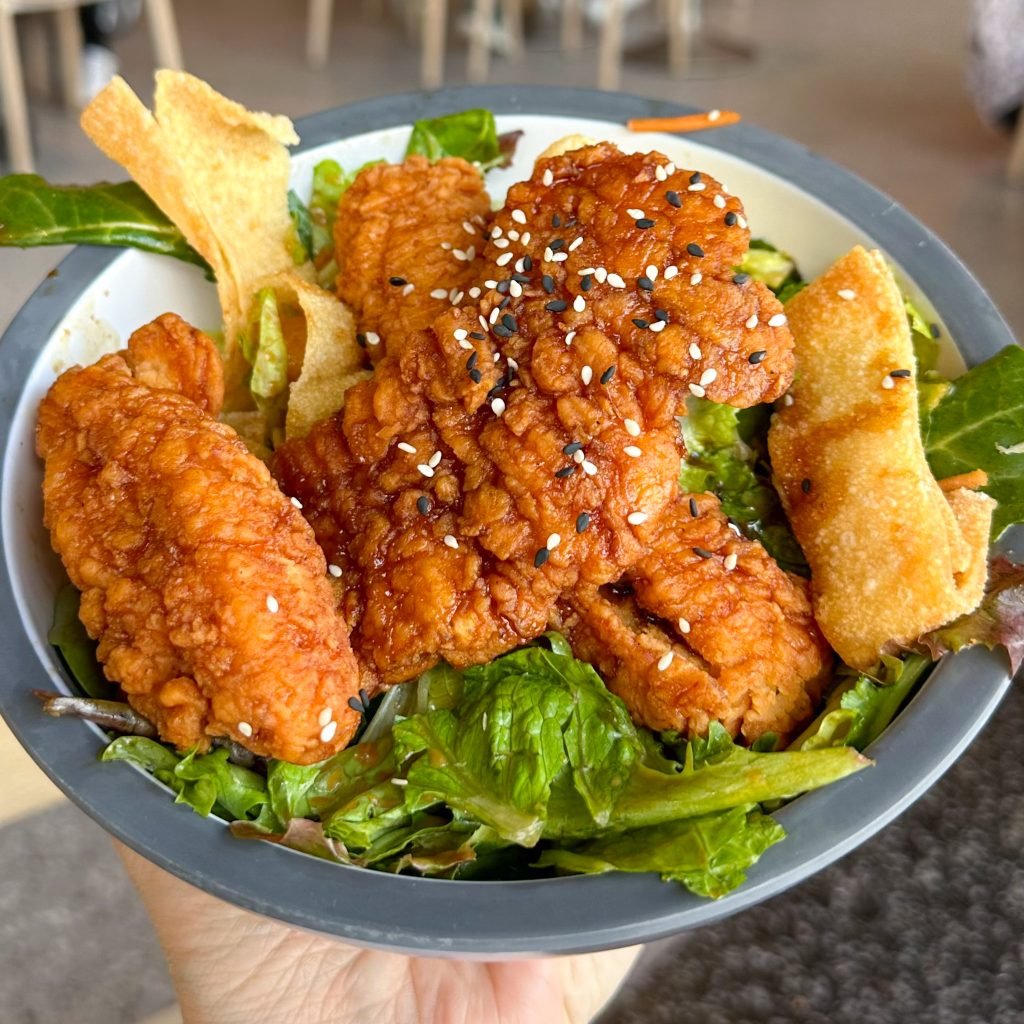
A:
12,92
610,61
318,32
478,64
678,43
1015,169
163,31
435,28
69,49
572,24
512,19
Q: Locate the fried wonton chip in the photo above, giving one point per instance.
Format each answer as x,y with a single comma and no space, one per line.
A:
567,144
219,172
891,555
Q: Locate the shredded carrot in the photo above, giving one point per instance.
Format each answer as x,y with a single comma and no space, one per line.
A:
686,123
972,481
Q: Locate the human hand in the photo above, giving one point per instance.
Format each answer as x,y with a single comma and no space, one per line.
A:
229,965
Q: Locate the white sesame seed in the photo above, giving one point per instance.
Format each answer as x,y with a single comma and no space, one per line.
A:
697,391
501,243
295,501
496,231
587,271
409,289
636,214
651,271
569,337
575,244
497,356
665,660
406,447
466,345
498,406
468,228
460,334
548,178
512,364
671,272
515,289
325,716
752,322
695,352
434,460
684,626
714,115
730,562
513,234
589,468
553,541
526,238
696,278
741,220
483,321
632,451
520,264
709,376
451,542
490,283
519,217
719,201
504,259
272,606
372,338
579,303
328,731
495,313
579,457
559,257
787,400
600,275
460,254
670,168
586,374
334,570
658,326
474,292
616,281
847,293
636,518
447,246
399,782
456,298
697,186
778,320
632,427
659,173
426,470
548,253
439,293
245,729
888,383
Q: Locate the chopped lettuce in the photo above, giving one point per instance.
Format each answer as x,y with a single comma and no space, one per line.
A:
775,268
470,134
76,647
264,347
726,453
926,345
979,424
300,241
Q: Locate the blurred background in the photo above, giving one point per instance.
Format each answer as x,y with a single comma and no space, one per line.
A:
923,924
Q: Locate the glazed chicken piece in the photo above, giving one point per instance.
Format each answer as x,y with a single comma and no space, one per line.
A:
202,583
526,445
409,242
705,627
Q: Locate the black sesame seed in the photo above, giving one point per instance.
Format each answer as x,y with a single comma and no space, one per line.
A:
586,282
547,282
423,504
475,376
730,218
397,281
556,306
471,362
757,357
661,314
573,448
642,324
673,199
694,249
695,178
646,283
740,278
521,278
364,698
556,221
478,336
899,373
540,558
694,511
703,553
582,522
805,485
510,322
503,287
356,704
566,471
935,332
608,374
644,223
527,263
361,340
555,244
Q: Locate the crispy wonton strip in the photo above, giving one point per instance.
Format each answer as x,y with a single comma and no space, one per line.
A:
891,556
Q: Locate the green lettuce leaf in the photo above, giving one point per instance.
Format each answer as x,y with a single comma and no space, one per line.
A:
926,345
726,453
76,647
979,424
775,268
471,134
997,622
300,240
264,347
709,855
33,212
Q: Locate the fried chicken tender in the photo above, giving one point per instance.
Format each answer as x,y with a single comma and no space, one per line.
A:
526,444
403,232
706,627
202,583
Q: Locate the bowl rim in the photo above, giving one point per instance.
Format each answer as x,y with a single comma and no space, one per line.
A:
544,916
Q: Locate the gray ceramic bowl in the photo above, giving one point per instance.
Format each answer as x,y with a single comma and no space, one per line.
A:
481,918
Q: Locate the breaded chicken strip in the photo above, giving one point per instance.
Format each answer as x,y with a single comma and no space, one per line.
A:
201,582
706,627
404,234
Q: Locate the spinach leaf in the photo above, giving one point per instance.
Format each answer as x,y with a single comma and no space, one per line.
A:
471,134
76,647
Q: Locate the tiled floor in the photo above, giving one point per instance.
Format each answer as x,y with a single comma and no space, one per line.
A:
877,86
